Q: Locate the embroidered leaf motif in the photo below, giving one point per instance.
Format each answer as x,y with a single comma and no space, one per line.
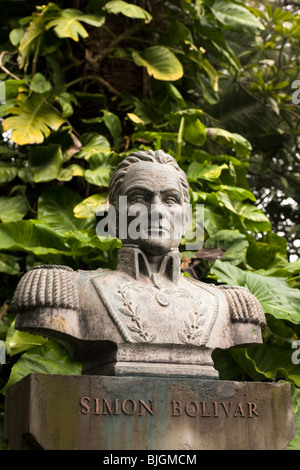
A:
134,311
136,338
182,338
135,329
138,310
192,333
126,312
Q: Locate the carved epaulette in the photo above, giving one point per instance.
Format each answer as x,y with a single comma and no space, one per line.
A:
243,306
46,286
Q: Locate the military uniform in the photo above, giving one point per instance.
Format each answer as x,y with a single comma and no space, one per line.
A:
134,321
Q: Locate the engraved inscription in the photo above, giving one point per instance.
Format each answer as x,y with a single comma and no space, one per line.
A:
215,409
212,409
104,406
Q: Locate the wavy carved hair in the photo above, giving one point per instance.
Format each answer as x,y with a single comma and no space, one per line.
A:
157,156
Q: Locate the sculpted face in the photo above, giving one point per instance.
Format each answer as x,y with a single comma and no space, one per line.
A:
155,206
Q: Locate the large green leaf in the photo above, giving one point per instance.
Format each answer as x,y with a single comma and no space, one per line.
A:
274,293
249,215
31,39
233,242
246,364
68,172
248,211
50,358
160,63
7,172
67,23
282,269
263,253
234,192
12,208
17,342
194,131
235,16
267,361
206,66
39,84
93,144
294,444
44,164
132,11
89,238
55,207
32,120
31,236
204,171
158,137
233,140
9,264
89,206
100,176
113,123
6,153
213,221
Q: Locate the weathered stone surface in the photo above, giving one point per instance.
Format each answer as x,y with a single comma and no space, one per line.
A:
146,413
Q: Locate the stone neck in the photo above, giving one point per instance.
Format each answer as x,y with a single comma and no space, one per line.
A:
137,264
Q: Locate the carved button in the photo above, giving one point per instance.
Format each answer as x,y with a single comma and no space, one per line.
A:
162,299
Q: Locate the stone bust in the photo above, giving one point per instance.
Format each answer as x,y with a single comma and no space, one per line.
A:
144,318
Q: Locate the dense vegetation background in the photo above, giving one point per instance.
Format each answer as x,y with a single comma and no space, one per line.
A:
213,83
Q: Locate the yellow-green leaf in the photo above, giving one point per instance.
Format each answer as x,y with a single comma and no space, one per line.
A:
132,11
32,121
67,24
89,206
160,63
20,341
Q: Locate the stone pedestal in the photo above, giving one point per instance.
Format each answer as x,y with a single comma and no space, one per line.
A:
57,412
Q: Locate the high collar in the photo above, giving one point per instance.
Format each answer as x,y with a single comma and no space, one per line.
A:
134,262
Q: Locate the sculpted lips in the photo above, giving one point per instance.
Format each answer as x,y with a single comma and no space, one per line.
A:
158,230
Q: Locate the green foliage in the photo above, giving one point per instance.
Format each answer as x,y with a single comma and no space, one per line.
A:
49,357
86,87
258,103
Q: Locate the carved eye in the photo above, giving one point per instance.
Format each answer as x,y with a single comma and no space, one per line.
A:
170,200
137,199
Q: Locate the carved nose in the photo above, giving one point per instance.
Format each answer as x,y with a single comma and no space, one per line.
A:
157,208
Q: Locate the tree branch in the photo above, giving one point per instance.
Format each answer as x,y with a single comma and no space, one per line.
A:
107,85
3,53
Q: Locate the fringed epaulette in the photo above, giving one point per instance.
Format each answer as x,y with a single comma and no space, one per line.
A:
46,286
243,306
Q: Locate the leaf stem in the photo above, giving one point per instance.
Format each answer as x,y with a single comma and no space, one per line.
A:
179,138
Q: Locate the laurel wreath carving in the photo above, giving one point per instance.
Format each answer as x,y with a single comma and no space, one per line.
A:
137,326
193,333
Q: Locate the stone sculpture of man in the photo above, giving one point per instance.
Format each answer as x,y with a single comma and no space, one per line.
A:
145,318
